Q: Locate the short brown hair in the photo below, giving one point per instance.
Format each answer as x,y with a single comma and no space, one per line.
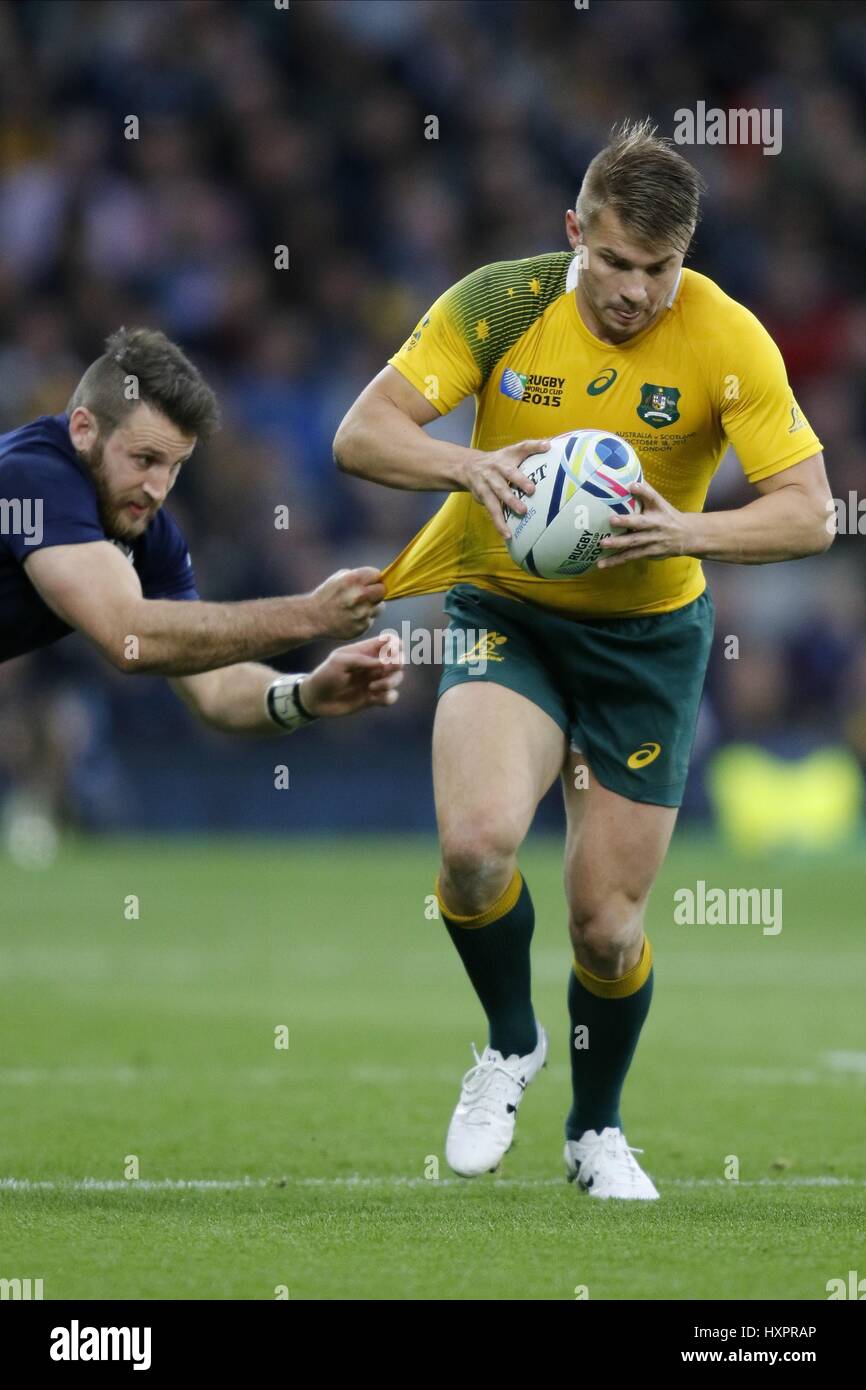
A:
654,192
164,378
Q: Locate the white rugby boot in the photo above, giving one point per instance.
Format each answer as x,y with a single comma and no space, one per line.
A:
602,1164
482,1127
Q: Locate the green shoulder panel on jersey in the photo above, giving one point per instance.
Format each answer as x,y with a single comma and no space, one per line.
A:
494,306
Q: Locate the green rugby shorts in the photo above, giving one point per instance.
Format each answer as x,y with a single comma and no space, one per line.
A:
625,691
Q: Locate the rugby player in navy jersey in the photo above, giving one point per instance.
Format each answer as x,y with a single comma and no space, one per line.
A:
86,545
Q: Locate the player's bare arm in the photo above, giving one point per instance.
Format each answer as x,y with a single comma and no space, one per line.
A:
94,589
786,522
382,438
350,679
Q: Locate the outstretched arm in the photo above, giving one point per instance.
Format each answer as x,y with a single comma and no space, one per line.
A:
350,679
93,588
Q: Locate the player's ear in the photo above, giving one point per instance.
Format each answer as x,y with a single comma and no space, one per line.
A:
83,428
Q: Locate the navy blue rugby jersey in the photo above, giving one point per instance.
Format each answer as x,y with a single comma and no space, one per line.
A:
47,498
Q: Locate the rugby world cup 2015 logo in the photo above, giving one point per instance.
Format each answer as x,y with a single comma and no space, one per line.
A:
513,384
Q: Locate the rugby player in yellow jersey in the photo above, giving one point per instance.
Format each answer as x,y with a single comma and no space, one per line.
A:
605,669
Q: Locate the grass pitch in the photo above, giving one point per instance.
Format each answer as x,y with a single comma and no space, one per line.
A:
311,1169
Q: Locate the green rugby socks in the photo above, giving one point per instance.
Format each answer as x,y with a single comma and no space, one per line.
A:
494,948
606,1020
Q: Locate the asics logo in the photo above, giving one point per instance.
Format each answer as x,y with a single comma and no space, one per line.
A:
647,753
601,382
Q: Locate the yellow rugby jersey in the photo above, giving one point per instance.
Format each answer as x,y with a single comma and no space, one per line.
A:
704,374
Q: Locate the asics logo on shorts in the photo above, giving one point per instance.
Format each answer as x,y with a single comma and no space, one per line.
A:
485,649
647,753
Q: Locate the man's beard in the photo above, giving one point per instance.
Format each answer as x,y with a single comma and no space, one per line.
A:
115,524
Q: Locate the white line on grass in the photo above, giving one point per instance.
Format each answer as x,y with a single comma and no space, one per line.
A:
838,1068
361,1181
849,1062
274,1075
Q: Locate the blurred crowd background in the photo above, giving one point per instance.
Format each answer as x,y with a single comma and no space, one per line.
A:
262,126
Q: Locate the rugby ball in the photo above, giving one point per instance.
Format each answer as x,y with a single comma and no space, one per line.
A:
580,484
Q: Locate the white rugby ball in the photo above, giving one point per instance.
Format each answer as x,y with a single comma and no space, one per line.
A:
580,484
